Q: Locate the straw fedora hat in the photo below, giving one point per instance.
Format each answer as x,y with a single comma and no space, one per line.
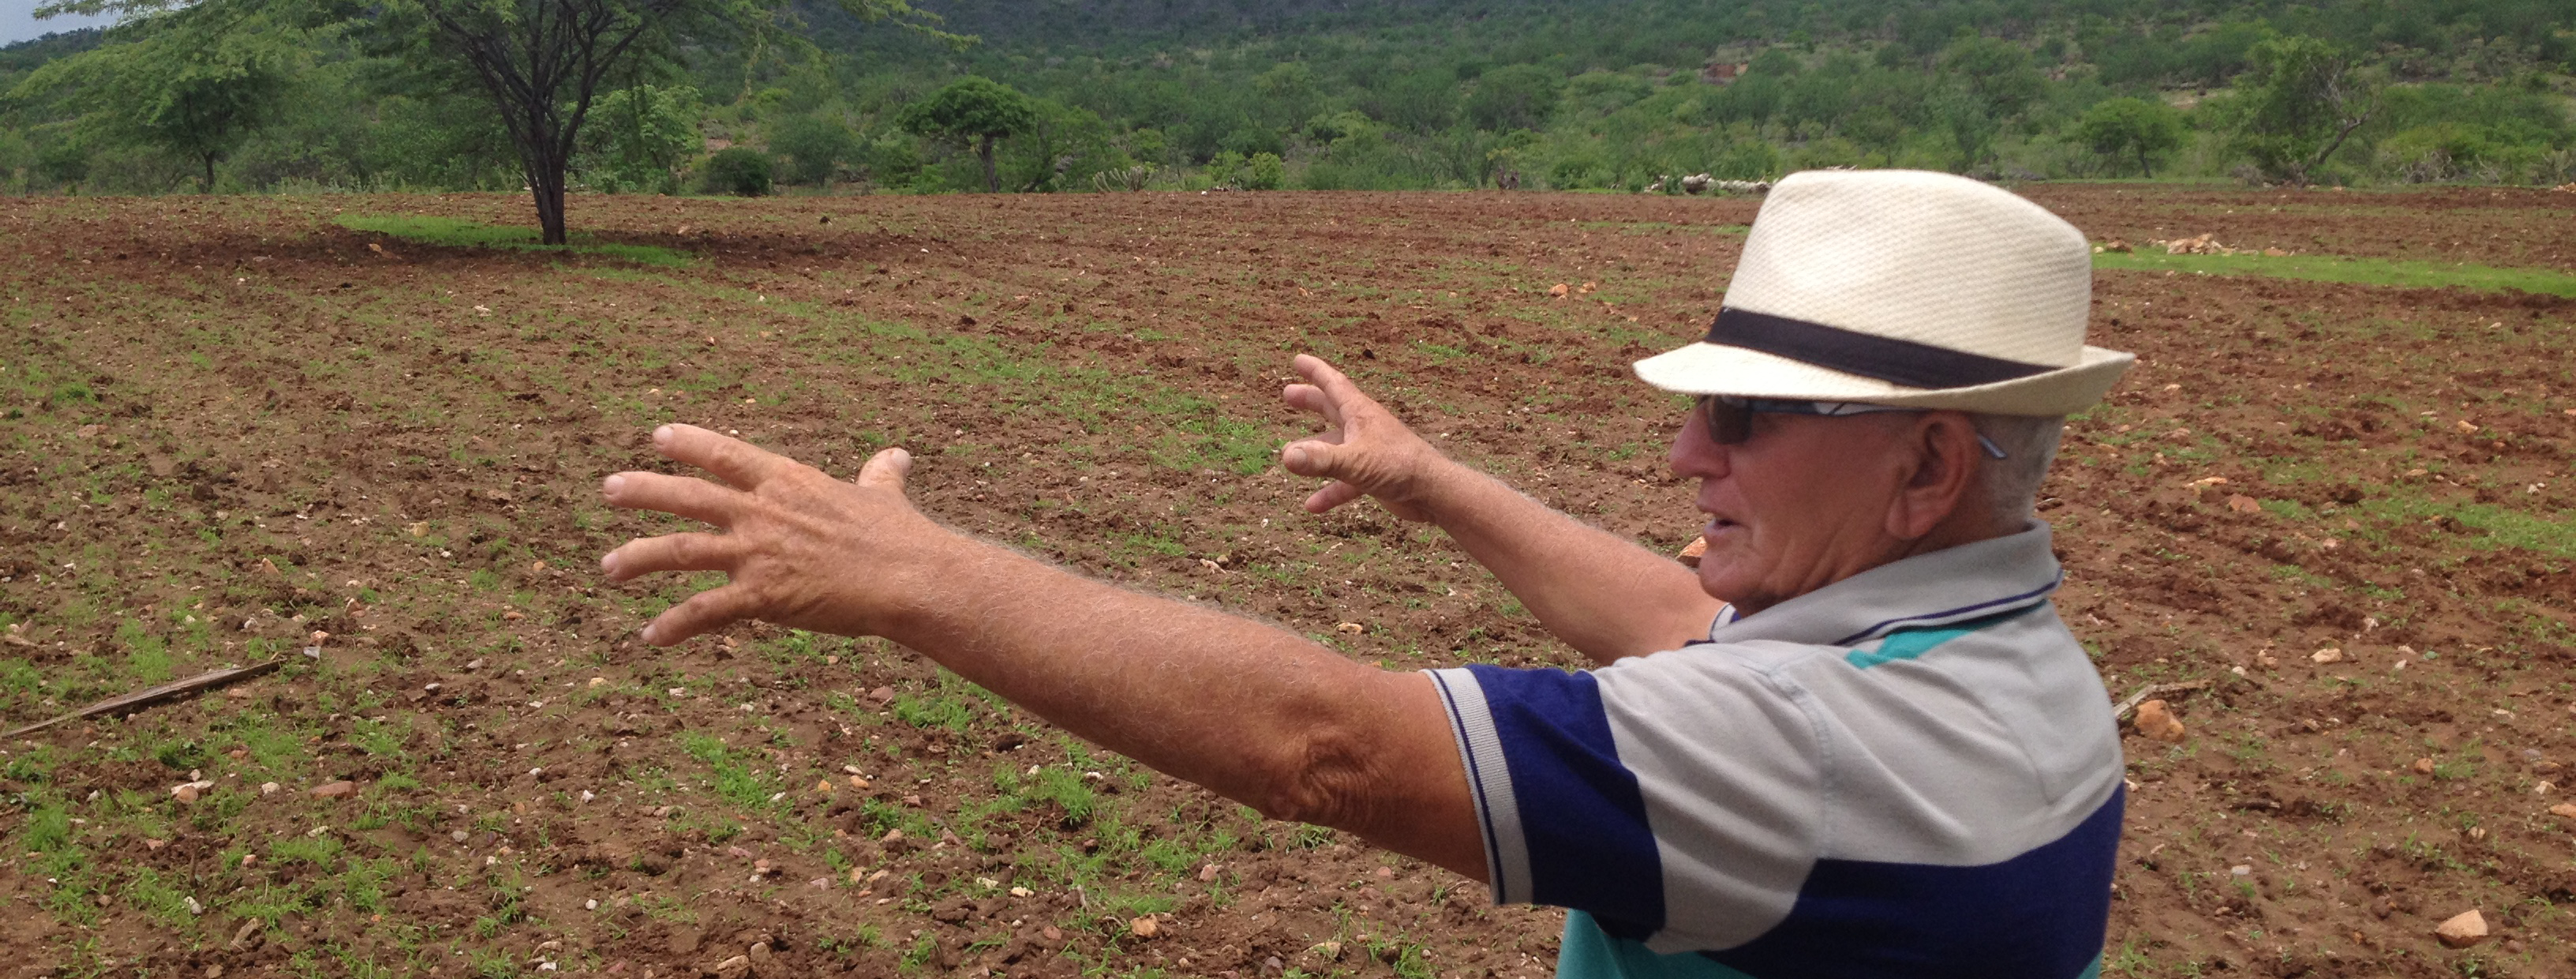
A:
1907,288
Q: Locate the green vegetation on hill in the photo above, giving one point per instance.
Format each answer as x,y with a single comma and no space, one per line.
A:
1421,94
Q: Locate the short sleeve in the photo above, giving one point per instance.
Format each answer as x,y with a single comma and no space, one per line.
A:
1677,798
1564,821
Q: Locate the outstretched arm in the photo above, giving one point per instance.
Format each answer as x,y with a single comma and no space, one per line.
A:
1601,593
1255,713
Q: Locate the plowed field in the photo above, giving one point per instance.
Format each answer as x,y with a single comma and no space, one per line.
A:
233,430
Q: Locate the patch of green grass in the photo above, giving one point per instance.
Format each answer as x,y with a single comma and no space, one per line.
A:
452,233
2360,271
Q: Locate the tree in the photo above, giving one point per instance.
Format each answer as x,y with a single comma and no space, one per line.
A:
815,146
2131,127
540,63
1515,97
2297,105
972,110
641,136
195,82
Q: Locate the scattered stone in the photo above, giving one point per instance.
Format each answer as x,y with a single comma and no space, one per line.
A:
1143,927
1352,628
734,968
1208,873
269,788
1690,555
2327,655
459,835
1329,951
2564,809
2156,720
2423,766
2242,503
1559,290
242,936
2463,930
184,792
335,790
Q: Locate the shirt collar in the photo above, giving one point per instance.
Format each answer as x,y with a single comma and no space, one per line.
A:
1956,584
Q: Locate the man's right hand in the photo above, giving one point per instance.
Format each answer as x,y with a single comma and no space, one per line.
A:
1364,450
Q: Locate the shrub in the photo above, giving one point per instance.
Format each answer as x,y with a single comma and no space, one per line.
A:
740,171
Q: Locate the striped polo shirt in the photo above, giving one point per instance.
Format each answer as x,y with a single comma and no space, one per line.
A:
1912,772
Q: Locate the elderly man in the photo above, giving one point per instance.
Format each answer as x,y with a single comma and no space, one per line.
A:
1856,742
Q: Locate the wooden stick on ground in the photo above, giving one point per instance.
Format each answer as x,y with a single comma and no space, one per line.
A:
140,699
2153,690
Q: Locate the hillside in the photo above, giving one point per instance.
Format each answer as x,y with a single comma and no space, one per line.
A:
1452,93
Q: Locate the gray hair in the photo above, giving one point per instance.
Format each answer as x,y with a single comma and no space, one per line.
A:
2011,484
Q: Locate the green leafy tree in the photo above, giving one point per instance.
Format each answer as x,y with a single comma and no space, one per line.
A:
540,63
195,82
641,136
973,111
815,146
2131,128
2298,104
1515,97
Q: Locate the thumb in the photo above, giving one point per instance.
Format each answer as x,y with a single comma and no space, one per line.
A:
886,470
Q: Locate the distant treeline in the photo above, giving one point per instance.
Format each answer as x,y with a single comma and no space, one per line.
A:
1114,94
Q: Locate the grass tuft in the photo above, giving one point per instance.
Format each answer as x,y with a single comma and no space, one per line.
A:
2338,268
452,233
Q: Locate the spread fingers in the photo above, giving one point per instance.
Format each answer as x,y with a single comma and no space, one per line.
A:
671,552
683,496
705,611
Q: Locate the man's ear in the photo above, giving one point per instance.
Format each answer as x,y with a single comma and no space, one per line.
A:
1943,445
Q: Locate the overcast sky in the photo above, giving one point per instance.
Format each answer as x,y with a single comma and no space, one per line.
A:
18,21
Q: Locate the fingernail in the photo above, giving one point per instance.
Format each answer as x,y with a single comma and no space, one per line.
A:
645,634
662,435
1293,458
612,484
608,563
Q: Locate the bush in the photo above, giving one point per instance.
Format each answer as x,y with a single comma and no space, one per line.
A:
1265,171
740,171
815,147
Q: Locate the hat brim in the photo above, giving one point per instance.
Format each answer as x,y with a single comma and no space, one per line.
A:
1712,368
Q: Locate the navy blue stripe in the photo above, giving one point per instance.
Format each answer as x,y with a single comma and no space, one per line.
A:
1942,618
1582,815
1896,361
1476,783
2041,915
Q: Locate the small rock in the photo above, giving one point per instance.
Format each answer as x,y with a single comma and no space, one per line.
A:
2565,809
2156,720
1208,873
2242,503
2423,766
184,791
2327,655
1143,927
1329,951
155,844
335,790
734,968
269,788
1691,553
2463,930
759,956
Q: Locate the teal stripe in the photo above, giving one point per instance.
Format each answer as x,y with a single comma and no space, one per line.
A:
2093,971
1590,953
1907,645
1910,643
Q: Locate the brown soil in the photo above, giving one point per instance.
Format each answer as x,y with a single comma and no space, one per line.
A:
230,424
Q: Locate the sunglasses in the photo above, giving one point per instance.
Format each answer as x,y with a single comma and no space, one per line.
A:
1729,420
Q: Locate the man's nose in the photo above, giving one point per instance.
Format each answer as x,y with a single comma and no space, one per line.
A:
1694,455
